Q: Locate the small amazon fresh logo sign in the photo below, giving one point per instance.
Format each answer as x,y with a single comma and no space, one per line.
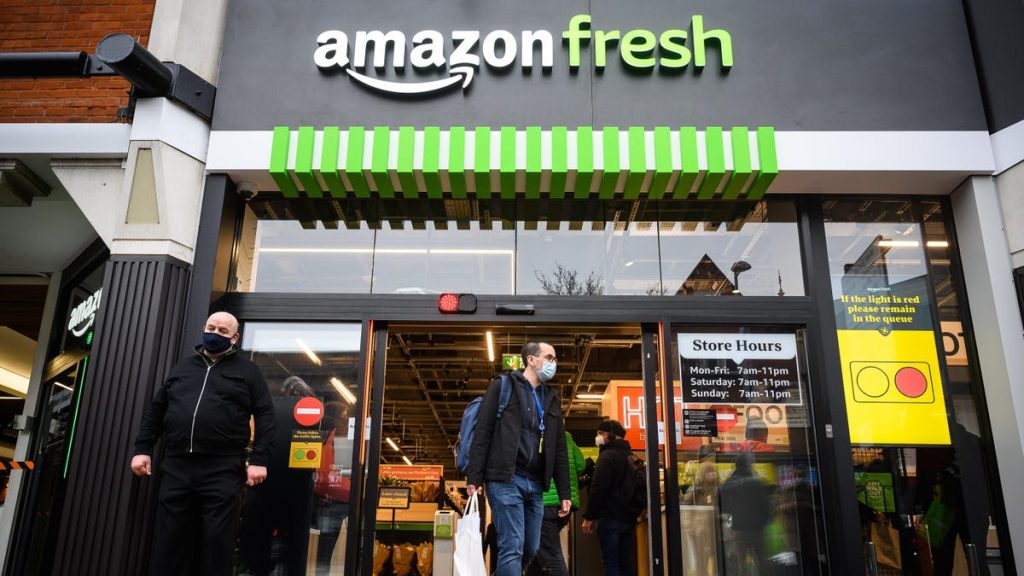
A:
428,52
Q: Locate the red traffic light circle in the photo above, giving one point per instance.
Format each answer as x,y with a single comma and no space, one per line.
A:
911,382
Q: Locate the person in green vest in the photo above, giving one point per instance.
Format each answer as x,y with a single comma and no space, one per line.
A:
549,559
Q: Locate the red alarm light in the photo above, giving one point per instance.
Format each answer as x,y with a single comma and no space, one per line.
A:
451,303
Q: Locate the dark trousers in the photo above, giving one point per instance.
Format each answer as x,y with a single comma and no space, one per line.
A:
284,503
197,515
617,544
549,559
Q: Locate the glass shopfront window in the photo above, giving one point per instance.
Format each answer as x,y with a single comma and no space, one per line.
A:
731,251
43,491
431,259
921,468
612,254
524,246
297,521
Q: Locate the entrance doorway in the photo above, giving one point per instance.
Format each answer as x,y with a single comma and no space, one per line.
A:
431,373
738,495
393,395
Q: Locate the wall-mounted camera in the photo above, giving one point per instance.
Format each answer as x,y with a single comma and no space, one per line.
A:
247,190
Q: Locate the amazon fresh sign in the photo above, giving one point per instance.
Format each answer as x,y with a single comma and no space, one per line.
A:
428,51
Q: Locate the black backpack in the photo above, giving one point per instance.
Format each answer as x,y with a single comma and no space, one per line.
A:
634,485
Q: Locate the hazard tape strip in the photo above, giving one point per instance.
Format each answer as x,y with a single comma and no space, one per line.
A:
16,465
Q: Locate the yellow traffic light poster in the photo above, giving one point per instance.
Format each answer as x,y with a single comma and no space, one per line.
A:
891,374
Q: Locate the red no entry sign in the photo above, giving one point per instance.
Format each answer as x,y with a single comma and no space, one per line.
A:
308,411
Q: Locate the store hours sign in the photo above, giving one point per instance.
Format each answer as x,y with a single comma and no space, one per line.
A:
739,368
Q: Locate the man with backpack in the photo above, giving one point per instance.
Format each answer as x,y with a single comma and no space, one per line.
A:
518,446
617,497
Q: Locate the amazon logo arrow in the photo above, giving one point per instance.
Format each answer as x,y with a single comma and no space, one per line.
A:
457,75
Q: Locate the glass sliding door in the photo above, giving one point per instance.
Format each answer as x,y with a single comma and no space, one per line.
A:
747,478
912,397
297,521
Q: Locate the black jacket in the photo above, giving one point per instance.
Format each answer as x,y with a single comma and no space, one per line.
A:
606,497
492,457
204,408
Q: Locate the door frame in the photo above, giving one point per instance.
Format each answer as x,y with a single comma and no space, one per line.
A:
656,315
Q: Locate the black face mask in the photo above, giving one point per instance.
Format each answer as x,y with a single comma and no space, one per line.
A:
215,343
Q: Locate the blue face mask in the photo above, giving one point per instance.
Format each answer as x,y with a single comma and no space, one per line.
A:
547,372
215,343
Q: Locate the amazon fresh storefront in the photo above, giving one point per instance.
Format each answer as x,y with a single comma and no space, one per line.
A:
741,226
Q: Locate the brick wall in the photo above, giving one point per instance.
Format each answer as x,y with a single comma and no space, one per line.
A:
67,25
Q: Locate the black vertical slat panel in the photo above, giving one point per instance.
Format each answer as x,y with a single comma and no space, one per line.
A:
107,520
117,412
78,469
107,467
83,471
103,406
112,465
141,521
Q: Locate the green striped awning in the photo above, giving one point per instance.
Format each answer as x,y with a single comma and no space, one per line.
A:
482,162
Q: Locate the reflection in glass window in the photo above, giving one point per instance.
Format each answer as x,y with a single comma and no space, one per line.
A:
731,249
749,499
590,259
522,246
429,260
302,510
930,496
288,257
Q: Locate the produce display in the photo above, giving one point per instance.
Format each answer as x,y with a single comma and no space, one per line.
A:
425,558
424,491
401,559
381,552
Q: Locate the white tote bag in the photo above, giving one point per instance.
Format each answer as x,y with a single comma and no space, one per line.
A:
469,549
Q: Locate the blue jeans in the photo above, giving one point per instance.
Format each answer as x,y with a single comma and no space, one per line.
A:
517,508
617,545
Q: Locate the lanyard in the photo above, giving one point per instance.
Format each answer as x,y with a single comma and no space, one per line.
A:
540,417
540,409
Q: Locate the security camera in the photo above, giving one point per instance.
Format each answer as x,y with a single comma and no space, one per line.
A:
247,190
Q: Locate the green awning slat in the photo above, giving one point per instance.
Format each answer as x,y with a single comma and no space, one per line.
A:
768,163
612,166
533,161
689,164
559,160
329,161
507,169
662,163
379,162
406,153
584,161
304,162
457,161
355,149
714,145
482,161
279,162
741,171
431,161
637,163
